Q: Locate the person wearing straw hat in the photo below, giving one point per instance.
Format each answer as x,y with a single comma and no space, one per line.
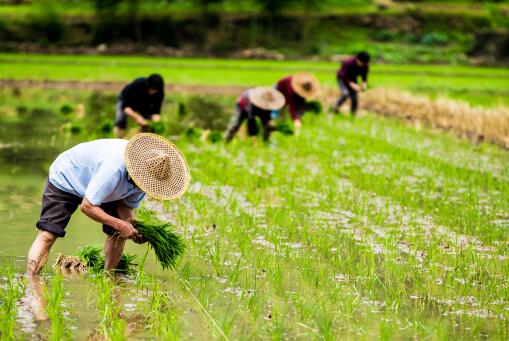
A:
141,100
347,76
108,178
256,102
298,89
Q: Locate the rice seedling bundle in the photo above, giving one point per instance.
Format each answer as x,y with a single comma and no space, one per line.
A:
315,107
91,256
167,245
284,128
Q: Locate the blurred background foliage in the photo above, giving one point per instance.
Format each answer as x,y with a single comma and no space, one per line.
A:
394,31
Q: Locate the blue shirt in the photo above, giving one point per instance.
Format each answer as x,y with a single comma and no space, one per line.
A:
96,170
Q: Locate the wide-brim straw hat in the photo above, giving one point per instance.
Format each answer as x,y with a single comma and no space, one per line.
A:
156,166
266,98
306,85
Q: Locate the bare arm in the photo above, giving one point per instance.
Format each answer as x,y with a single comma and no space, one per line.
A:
137,117
125,228
354,86
155,117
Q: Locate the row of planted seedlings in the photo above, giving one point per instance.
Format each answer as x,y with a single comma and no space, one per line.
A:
391,274
317,236
460,262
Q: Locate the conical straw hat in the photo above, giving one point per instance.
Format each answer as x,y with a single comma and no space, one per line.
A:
306,85
157,166
266,98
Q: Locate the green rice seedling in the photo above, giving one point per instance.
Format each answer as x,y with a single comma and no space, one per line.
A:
284,128
156,127
59,329
315,107
111,325
9,295
161,315
167,245
91,256
126,264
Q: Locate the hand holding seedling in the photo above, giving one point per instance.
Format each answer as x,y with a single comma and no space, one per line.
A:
355,86
137,117
141,121
128,231
125,228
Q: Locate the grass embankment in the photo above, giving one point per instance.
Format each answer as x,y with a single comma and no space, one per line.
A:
486,86
356,228
407,31
79,9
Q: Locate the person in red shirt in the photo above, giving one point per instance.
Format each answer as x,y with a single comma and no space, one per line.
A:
256,102
298,89
347,76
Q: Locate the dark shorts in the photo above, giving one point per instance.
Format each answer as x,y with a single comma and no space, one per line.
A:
120,116
58,207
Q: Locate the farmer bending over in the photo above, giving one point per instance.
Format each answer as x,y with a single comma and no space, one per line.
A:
298,89
108,178
347,76
260,101
141,100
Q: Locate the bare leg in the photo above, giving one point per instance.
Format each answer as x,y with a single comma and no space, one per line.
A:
36,297
113,249
38,253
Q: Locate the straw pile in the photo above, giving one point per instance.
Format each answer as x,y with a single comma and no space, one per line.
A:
476,123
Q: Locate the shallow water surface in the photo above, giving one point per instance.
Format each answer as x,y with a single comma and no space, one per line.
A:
23,175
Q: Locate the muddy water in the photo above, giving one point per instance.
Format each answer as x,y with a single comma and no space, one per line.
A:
26,151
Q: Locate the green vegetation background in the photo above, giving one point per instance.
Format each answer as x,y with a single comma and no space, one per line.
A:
402,31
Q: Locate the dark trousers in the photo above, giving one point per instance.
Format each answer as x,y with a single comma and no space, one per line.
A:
239,116
346,92
58,206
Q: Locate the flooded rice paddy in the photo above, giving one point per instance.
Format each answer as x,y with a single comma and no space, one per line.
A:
356,228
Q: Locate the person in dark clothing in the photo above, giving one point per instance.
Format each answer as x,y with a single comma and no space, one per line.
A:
141,100
257,102
347,76
298,89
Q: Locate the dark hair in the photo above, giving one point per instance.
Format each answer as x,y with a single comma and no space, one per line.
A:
364,57
156,82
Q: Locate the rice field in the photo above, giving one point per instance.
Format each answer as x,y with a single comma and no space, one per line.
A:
477,85
354,229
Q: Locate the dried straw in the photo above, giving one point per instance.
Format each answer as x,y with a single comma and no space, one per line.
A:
476,123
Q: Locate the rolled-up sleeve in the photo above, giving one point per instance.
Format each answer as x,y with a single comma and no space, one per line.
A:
134,200
103,183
